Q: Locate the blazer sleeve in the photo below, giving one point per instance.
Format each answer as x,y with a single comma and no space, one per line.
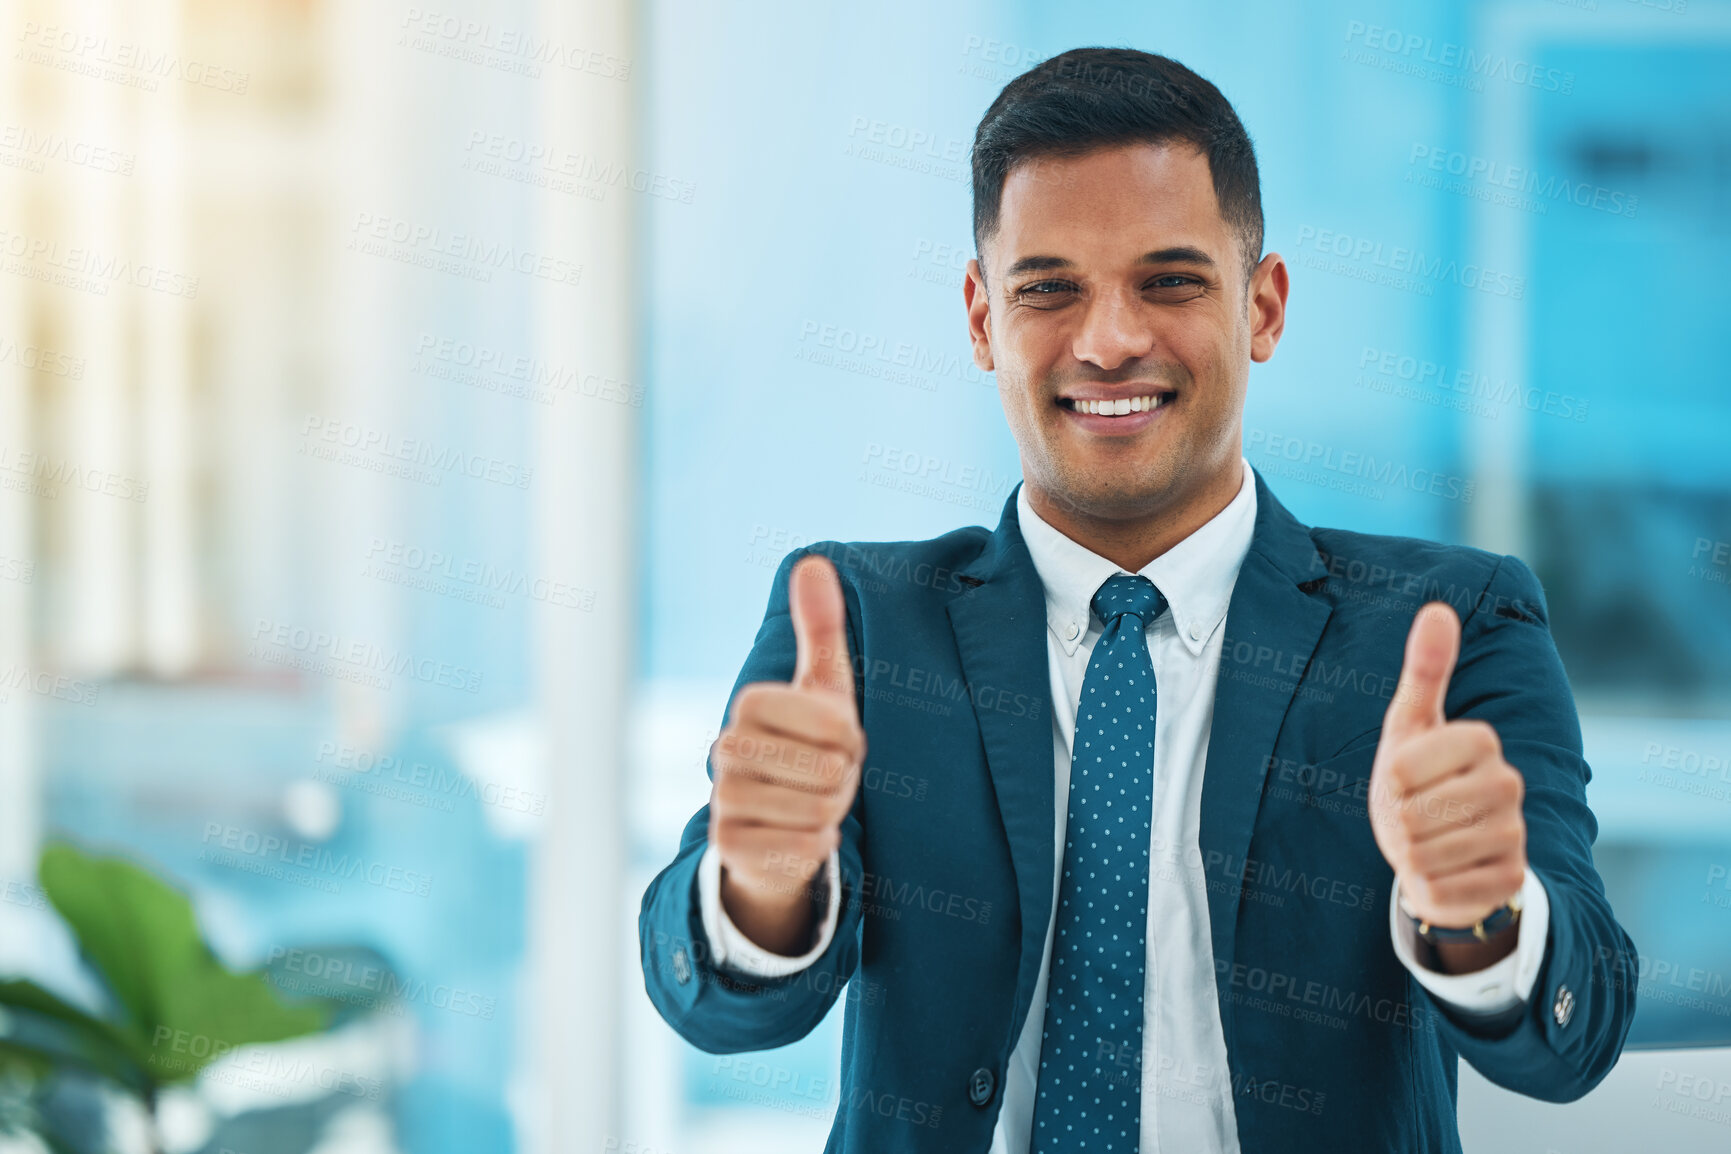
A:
715,1008
1564,1039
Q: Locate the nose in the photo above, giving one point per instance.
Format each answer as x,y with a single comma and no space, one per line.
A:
1115,328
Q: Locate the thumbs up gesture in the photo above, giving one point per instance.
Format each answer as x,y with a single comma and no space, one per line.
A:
1445,807
787,765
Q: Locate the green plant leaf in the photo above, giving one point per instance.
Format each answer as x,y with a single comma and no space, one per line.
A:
181,1004
96,1042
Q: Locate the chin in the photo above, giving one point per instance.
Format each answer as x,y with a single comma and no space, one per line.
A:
1107,497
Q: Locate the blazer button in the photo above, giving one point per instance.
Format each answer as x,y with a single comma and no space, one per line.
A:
681,966
1564,1007
980,1086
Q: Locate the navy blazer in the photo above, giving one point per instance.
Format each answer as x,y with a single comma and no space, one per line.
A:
947,854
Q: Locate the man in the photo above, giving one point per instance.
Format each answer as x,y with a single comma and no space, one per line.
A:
1153,819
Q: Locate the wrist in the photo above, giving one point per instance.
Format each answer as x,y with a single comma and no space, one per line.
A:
782,918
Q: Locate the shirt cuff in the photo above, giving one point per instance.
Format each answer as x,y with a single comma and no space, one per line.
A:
1504,983
729,946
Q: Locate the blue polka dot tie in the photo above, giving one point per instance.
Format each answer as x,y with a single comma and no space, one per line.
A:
1090,1085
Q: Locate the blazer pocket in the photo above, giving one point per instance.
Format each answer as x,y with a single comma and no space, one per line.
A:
1348,770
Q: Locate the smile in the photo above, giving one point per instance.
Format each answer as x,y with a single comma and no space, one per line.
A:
1123,406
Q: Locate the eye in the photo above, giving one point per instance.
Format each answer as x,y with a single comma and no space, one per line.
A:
1158,282
1044,288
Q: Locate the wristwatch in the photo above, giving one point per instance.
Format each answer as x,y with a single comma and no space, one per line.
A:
1424,938
1497,920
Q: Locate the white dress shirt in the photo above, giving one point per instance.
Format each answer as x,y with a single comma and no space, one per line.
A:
1186,1087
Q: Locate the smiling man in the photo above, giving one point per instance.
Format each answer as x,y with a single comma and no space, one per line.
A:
1153,819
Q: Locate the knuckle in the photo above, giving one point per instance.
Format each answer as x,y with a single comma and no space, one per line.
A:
810,848
1511,883
749,701
1399,772
1505,790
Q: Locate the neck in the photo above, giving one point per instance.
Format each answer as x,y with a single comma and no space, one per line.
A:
1132,543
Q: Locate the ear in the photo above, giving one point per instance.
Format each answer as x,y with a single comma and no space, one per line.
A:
1268,287
978,303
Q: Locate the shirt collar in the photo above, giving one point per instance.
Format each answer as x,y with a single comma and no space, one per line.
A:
1196,575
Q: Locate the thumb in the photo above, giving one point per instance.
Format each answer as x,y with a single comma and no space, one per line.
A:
1432,646
819,627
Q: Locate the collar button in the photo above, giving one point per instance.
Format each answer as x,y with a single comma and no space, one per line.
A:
1073,632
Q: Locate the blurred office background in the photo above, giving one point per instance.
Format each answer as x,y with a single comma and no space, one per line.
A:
403,409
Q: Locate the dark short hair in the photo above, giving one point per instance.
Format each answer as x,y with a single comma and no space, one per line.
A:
1089,98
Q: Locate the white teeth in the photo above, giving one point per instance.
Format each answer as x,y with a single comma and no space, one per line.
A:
1123,406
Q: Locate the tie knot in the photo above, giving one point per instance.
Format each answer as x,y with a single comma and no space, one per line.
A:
1128,593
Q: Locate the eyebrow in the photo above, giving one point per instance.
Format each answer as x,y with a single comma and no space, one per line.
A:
1179,254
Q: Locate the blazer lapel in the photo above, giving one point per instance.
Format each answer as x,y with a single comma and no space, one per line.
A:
1000,627
1272,627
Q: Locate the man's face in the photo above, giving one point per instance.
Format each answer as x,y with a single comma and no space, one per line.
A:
1113,276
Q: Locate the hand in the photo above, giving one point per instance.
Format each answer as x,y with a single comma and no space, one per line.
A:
1445,807
787,766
